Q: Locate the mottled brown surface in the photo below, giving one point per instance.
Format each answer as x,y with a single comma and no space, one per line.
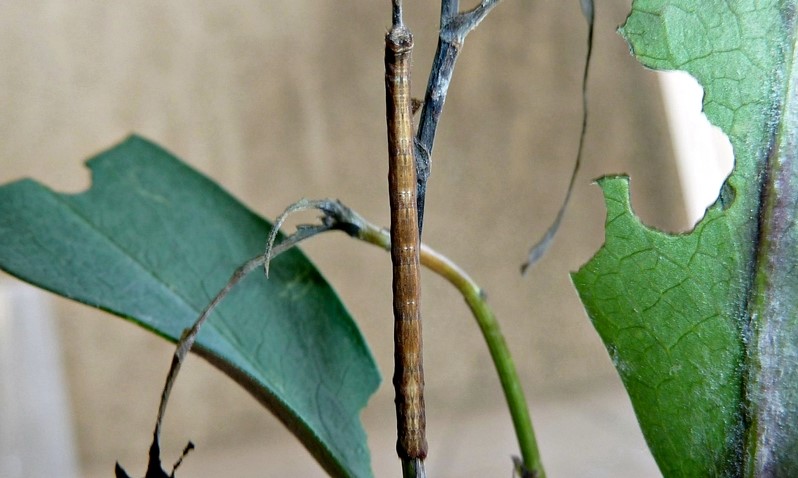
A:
408,376
282,100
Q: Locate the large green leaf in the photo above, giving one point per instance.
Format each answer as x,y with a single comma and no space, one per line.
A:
153,241
703,326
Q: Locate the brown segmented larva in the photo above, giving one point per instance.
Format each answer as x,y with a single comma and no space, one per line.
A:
408,368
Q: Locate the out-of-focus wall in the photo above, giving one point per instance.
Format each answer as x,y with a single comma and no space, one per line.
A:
282,100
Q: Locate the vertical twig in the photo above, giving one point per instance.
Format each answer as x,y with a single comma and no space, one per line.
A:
397,15
453,31
411,444
449,9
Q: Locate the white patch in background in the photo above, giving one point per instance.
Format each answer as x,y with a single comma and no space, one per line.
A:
704,156
36,437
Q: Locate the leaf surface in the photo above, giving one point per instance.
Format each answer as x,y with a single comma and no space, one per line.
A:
702,326
153,241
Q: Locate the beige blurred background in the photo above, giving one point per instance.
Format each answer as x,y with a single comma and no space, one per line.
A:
282,100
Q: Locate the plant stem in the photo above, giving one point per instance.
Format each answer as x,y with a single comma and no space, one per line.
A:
189,335
499,352
337,216
454,27
539,248
413,468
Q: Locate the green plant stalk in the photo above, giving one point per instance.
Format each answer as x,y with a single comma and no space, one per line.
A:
336,216
499,352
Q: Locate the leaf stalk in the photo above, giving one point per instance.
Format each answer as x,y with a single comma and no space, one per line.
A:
489,326
338,216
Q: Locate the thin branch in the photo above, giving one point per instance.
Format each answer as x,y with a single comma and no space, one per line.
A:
190,335
413,469
454,29
539,249
449,9
462,24
396,14
301,205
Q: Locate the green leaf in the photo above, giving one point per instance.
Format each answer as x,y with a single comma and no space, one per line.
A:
153,241
703,326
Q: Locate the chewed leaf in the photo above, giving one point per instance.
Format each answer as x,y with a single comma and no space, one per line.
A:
659,304
153,241
703,326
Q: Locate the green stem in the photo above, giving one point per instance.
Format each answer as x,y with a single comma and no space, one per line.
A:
339,217
502,360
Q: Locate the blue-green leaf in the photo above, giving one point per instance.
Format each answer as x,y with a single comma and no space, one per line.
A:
153,241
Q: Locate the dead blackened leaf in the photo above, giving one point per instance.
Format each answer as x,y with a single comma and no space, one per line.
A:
154,469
